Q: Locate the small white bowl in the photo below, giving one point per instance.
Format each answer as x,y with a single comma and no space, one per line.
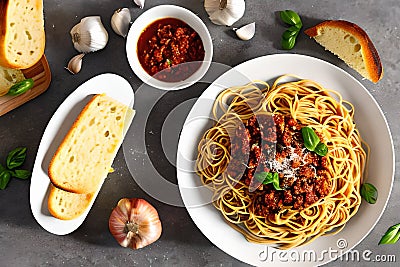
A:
168,11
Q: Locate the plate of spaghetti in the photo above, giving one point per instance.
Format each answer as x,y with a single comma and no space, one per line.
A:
272,157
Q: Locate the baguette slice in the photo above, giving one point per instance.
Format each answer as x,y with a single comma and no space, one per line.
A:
9,77
351,44
84,158
64,205
22,36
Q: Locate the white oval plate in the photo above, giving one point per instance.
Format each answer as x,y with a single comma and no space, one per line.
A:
373,128
111,84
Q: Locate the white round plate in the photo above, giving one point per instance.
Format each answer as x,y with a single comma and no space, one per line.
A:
370,122
111,84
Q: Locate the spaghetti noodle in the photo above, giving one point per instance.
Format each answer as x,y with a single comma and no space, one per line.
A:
258,131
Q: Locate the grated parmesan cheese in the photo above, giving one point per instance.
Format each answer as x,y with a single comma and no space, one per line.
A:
285,167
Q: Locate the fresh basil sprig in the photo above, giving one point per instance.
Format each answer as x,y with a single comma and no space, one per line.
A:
5,177
321,149
14,160
290,35
16,157
310,138
312,142
391,236
21,174
290,17
369,193
269,178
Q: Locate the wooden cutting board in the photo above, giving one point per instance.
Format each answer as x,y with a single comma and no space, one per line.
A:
41,75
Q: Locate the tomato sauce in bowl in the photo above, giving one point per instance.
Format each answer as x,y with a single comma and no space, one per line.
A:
170,50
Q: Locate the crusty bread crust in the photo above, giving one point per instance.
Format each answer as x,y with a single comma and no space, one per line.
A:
370,55
22,36
64,205
51,171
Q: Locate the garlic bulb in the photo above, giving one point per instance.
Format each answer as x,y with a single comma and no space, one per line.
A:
120,21
224,12
135,223
75,64
89,35
246,32
140,3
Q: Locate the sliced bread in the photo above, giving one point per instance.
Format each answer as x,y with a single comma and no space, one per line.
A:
9,77
84,158
22,36
64,205
351,44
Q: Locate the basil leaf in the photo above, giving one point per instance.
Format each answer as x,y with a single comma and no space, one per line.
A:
290,35
310,138
5,177
291,32
299,26
391,236
21,174
16,157
369,193
290,17
275,181
276,185
288,44
269,178
321,149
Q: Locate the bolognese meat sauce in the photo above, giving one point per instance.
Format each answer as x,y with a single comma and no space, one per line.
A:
275,144
165,45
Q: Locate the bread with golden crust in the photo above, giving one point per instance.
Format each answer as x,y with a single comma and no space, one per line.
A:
84,157
22,36
65,205
351,44
9,77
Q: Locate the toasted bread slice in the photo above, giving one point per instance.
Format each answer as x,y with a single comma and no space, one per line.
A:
9,77
22,36
65,205
84,158
351,44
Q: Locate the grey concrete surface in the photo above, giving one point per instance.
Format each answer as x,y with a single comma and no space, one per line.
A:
24,243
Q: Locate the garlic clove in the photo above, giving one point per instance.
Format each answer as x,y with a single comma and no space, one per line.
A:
140,3
120,21
246,32
89,35
135,223
75,64
224,12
